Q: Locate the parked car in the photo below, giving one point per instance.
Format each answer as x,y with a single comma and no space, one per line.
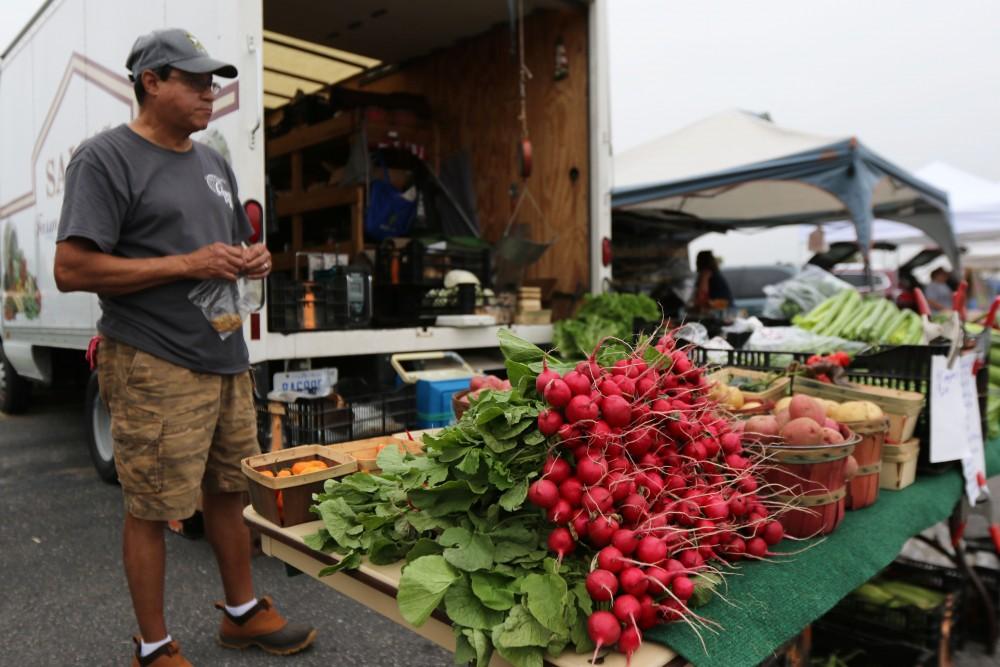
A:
747,284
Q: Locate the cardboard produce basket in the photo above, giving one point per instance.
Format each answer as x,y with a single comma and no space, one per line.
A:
366,452
285,501
901,407
899,464
774,391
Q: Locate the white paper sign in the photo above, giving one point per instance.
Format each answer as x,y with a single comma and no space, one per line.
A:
974,462
947,404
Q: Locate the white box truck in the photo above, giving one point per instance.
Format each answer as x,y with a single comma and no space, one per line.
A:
63,80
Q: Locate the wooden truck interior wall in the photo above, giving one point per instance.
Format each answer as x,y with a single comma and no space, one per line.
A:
473,93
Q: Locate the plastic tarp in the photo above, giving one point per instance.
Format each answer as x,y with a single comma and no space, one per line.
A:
736,169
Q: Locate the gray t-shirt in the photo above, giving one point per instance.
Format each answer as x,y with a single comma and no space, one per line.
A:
941,293
135,199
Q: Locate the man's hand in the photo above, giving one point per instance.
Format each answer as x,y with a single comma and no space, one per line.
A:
215,261
256,261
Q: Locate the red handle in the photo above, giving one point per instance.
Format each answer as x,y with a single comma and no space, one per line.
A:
922,307
991,317
958,299
995,534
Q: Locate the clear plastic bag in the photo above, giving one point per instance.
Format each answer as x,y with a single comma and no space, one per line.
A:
801,293
225,304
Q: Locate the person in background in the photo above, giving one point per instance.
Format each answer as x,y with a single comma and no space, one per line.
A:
907,299
938,291
712,292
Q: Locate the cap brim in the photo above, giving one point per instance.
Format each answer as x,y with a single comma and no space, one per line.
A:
206,65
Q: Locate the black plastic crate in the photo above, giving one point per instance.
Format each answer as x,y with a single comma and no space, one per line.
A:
339,298
420,264
756,360
327,421
863,649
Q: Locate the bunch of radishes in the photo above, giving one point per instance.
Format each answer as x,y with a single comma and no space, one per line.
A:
648,473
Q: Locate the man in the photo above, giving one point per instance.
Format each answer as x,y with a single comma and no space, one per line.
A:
148,214
938,291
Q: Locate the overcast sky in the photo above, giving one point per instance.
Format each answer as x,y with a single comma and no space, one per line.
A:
916,80
14,15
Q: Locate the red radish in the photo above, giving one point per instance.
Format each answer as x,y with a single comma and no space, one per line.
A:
659,579
560,512
557,393
625,541
690,559
604,630
618,464
639,441
601,585
571,491
737,462
569,435
577,382
633,580
620,485
748,484
651,550
639,413
617,411
590,471
627,386
556,469
549,422
648,615
773,533
609,388
682,587
610,559
600,530
561,542
730,443
652,482
544,378
715,507
634,508
579,523
597,500
543,493
589,368
736,548
738,505
629,642
581,409
682,364
600,434
696,451
626,608
757,547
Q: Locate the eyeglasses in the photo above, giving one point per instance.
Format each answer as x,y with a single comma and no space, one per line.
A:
199,83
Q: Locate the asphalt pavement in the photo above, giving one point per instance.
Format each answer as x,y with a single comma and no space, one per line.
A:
64,600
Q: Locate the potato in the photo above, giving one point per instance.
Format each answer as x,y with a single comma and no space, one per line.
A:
752,405
828,405
782,404
832,436
806,407
734,398
829,423
856,411
718,391
802,431
851,469
782,418
762,425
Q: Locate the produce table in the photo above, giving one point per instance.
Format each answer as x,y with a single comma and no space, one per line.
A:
375,587
775,600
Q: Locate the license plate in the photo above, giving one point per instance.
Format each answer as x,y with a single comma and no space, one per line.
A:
318,381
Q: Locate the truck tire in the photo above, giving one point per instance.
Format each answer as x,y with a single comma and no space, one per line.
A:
99,441
15,391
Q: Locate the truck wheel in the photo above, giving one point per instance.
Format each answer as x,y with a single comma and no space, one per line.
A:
99,441
15,391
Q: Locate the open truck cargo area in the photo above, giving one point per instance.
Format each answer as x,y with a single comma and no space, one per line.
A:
493,125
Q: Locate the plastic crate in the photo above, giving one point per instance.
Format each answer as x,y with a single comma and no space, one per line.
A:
868,650
434,406
420,264
323,421
339,298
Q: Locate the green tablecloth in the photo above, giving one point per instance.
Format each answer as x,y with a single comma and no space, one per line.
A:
775,601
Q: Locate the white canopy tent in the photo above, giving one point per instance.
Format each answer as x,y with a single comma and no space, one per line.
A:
974,203
736,170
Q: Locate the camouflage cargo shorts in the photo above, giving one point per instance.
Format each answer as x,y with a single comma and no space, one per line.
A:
175,431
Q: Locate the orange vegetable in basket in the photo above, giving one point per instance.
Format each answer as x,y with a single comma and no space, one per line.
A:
284,472
299,466
266,473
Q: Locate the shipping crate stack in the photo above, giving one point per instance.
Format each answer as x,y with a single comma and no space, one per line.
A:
529,307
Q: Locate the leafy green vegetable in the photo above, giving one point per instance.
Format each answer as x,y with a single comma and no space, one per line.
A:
458,516
601,316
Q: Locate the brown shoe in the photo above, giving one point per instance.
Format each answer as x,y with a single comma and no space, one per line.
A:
168,655
264,628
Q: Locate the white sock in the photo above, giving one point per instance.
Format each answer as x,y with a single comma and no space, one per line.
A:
241,609
145,649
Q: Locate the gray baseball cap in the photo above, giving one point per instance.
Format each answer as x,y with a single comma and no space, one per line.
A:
175,47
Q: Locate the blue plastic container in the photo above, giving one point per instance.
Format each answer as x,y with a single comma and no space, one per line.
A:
434,408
